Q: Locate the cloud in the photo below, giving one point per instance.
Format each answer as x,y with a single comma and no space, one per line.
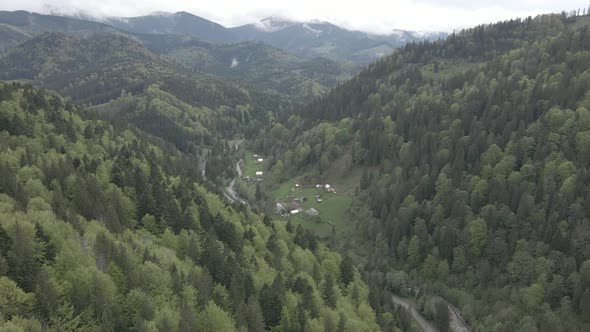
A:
234,63
369,15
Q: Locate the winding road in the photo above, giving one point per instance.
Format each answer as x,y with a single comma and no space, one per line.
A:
456,322
230,191
426,325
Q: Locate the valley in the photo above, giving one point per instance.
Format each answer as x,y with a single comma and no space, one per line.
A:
168,173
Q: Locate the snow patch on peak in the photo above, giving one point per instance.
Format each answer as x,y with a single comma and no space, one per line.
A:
312,30
160,13
273,23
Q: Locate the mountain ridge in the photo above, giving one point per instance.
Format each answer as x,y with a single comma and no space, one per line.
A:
275,68
330,40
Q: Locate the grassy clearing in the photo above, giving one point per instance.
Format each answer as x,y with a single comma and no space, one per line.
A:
332,209
250,167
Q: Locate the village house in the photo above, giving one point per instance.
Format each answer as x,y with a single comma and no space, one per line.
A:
280,209
312,212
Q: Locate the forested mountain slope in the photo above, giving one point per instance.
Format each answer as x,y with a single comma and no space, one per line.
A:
324,39
103,226
256,63
181,23
96,68
308,39
475,161
19,26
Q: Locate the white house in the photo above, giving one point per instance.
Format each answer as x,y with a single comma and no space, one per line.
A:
260,160
312,212
259,174
327,186
280,208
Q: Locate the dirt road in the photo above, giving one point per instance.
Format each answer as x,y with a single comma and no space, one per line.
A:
456,322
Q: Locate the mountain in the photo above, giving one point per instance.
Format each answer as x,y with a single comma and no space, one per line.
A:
313,39
104,227
181,23
19,26
88,70
467,163
256,63
309,39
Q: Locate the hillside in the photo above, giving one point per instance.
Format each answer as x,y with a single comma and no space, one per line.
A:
324,39
256,63
103,226
473,164
181,23
19,26
308,39
90,71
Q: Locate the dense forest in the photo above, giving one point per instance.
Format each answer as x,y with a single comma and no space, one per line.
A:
96,68
252,63
474,160
468,159
106,227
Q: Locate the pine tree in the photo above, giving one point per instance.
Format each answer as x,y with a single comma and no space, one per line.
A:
272,305
24,258
346,270
258,195
328,293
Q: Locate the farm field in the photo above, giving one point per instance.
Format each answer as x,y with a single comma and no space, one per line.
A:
250,166
331,210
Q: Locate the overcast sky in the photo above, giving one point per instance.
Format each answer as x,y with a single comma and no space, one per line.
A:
368,15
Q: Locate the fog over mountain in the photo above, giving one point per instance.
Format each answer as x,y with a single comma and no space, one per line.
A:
372,15
313,38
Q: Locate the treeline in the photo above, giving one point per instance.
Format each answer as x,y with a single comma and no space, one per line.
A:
477,176
94,69
105,227
482,43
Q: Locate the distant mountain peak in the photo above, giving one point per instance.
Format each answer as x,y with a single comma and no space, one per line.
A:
315,32
273,23
161,13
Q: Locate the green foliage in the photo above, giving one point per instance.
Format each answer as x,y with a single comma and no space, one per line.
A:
476,178
13,300
104,226
265,66
87,69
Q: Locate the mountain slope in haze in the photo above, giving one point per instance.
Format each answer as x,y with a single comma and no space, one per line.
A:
309,39
258,63
325,39
181,23
471,158
96,68
19,26
104,227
